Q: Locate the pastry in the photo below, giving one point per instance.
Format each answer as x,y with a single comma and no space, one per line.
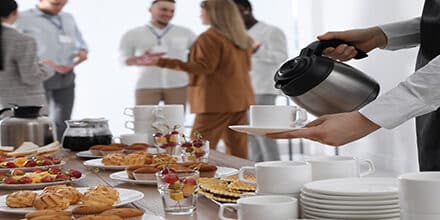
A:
68,192
52,217
119,145
109,149
164,159
241,186
90,210
136,147
124,212
51,201
206,170
145,173
21,199
47,212
115,159
130,170
100,217
235,178
100,195
96,149
136,159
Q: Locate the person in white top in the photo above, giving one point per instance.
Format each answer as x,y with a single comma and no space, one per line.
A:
418,96
156,84
271,52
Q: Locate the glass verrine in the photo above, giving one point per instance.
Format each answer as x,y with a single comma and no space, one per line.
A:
178,191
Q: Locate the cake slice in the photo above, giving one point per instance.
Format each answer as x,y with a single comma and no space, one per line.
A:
50,148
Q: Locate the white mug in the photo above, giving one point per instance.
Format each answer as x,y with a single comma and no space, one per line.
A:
141,112
420,193
276,116
170,115
129,139
263,208
142,127
339,167
279,177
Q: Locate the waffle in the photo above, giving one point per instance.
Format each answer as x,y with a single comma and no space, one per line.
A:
218,198
241,186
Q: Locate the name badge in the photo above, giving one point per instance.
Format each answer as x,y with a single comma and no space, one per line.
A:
65,39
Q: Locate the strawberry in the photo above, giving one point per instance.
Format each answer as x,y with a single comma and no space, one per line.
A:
25,180
47,179
17,172
170,178
10,180
190,181
11,165
75,173
61,177
54,170
30,163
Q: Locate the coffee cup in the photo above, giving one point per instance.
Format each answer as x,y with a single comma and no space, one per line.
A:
129,139
263,208
142,127
276,116
141,112
419,193
330,167
279,177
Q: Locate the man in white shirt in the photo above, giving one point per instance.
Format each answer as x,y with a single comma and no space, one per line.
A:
271,52
156,84
418,96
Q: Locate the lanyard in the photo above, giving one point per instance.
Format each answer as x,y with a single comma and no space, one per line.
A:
159,36
59,25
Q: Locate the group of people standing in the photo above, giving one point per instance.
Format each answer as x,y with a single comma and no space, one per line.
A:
228,68
222,71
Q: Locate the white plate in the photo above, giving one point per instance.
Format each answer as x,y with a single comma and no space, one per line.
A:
353,203
38,185
126,196
152,217
97,163
367,186
351,212
348,198
62,163
122,176
340,216
260,130
87,154
348,207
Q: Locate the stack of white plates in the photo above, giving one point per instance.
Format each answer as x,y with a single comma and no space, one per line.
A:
351,198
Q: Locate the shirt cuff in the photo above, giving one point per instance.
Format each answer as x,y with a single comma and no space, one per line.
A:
403,34
395,107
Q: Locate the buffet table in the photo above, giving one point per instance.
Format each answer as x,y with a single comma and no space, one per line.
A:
151,203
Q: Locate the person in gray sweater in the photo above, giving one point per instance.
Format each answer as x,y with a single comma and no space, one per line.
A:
21,72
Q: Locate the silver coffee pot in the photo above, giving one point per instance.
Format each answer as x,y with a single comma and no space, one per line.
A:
26,124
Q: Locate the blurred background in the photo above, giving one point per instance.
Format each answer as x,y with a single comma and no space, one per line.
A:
104,88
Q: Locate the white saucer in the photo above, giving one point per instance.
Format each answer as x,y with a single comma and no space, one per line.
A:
261,130
348,198
352,216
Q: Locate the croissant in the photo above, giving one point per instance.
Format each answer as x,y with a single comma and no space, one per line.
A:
20,199
51,201
136,159
94,198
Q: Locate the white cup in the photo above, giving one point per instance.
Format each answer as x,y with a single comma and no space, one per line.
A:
171,115
143,127
279,177
420,192
276,116
263,208
339,167
141,112
129,139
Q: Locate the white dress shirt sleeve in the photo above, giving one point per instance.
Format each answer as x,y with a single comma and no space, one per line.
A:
126,48
276,51
417,95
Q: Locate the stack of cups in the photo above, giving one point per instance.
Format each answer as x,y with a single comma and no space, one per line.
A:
419,195
146,117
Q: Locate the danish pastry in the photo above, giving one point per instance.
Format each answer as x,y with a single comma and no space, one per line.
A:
68,192
21,199
114,159
51,201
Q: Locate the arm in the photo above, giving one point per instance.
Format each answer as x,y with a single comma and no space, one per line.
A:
30,70
417,95
126,50
275,50
81,46
203,57
403,34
